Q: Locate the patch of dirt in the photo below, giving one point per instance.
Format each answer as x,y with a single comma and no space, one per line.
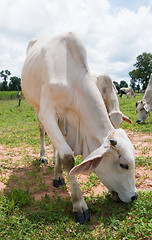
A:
142,143
11,164
143,178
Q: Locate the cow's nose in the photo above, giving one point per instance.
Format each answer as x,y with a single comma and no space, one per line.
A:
134,197
138,121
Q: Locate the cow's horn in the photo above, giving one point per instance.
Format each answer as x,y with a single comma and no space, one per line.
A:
113,142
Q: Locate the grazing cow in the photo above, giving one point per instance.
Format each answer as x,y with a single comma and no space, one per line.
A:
56,80
144,106
127,91
109,94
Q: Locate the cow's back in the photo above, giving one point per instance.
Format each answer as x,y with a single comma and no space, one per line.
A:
52,61
31,80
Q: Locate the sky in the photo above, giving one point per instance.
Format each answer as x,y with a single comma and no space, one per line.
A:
114,32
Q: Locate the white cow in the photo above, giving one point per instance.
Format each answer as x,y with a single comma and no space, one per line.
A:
144,106
109,94
127,91
56,80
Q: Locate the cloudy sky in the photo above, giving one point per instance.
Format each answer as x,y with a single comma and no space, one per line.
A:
114,32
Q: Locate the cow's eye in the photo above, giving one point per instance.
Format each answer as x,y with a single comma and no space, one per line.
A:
125,166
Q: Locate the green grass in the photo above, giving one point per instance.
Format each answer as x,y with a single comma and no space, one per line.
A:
22,217
128,108
18,125
8,95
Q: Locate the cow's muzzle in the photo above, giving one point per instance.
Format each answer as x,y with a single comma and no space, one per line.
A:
139,121
116,198
134,197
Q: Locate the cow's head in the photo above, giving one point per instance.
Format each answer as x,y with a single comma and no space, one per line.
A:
114,163
143,110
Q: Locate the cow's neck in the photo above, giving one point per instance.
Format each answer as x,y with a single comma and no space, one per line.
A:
82,137
148,94
86,122
93,111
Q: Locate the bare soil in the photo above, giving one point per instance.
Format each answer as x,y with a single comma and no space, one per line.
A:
13,157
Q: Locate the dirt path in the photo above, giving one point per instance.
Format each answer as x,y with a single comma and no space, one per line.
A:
12,159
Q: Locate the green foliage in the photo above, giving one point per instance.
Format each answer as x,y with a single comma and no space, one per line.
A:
143,69
116,85
19,197
14,83
123,84
4,74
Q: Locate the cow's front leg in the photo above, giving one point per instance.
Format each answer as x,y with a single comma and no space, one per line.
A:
58,172
49,120
80,207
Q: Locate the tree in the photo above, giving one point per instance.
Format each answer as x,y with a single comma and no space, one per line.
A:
116,85
133,84
14,81
123,84
143,68
4,74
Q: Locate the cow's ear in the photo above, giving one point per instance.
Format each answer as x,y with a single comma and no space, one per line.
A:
92,161
126,119
147,107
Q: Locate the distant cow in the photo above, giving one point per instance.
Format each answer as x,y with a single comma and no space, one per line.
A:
56,80
127,91
109,94
144,106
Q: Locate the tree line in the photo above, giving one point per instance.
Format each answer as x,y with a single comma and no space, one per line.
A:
8,83
140,76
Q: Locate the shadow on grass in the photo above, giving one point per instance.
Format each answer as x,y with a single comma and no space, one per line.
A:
30,189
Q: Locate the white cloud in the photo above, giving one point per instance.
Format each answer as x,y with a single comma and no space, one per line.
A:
113,36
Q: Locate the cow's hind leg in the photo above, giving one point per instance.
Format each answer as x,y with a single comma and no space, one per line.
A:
43,158
58,173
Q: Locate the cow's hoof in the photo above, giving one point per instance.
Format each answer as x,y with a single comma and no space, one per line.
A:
43,160
62,182
57,183
82,217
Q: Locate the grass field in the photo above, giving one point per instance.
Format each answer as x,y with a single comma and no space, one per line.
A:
8,95
23,216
